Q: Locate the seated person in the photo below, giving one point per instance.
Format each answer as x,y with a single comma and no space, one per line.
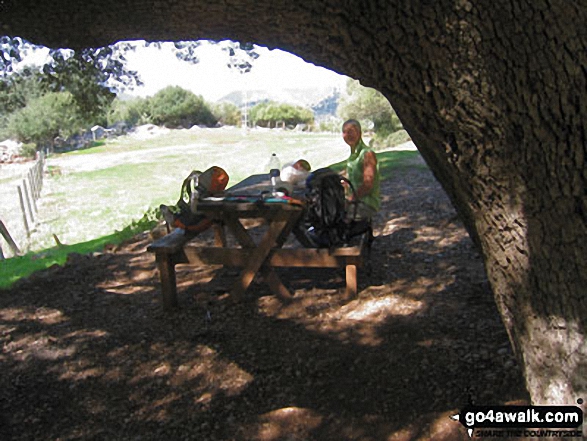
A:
296,172
363,173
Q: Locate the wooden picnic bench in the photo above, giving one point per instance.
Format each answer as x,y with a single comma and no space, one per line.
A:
250,255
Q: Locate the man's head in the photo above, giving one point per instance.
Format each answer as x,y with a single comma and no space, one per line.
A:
351,132
302,164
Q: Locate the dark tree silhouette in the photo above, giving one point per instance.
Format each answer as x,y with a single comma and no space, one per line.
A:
493,94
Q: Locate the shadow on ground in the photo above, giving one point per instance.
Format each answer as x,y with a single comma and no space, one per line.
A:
88,353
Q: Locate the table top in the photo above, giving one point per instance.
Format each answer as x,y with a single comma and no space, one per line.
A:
252,195
257,184
253,185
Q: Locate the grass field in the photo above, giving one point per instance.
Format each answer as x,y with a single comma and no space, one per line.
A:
100,190
90,194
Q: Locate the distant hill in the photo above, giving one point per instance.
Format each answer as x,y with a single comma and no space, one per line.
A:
323,101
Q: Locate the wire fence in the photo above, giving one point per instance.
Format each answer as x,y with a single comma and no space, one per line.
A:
19,208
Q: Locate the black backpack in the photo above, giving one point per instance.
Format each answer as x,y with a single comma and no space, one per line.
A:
325,217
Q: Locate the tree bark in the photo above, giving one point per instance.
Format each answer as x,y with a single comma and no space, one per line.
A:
509,148
493,93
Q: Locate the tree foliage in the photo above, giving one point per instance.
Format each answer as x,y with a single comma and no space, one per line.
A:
90,75
227,114
10,52
89,78
18,89
241,55
174,107
132,112
46,117
270,114
370,107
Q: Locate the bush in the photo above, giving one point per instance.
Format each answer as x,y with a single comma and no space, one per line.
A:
174,107
332,125
227,114
136,111
29,150
46,117
270,114
396,138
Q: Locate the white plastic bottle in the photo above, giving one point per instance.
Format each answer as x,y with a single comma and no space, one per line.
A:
274,170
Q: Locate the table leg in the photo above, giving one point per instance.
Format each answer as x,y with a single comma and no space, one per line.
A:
219,235
168,281
240,232
351,282
275,237
258,258
276,285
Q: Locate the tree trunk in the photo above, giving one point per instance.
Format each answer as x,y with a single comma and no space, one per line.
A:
493,93
508,143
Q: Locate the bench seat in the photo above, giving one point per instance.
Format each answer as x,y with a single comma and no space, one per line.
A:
170,243
175,248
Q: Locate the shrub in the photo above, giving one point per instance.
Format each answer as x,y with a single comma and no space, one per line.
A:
396,138
332,125
133,112
29,150
227,114
174,107
269,114
46,117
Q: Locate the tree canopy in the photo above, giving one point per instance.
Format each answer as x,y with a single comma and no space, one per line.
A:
90,78
369,106
46,117
174,107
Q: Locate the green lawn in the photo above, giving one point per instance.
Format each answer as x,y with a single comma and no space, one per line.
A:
93,193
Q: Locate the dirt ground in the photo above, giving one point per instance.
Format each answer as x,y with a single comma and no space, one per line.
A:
89,354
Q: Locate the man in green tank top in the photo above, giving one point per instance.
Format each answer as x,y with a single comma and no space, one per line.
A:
363,172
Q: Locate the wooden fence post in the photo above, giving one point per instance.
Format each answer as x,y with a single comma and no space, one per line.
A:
40,169
22,207
28,200
33,181
33,193
9,240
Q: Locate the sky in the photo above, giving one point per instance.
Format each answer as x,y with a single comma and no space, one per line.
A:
272,71
211,78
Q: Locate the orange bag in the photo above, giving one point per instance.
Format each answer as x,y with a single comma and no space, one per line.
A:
196,185
213,180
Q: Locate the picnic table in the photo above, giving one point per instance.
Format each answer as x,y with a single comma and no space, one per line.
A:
251,199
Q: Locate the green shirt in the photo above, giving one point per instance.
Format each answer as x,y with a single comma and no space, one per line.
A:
354,168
